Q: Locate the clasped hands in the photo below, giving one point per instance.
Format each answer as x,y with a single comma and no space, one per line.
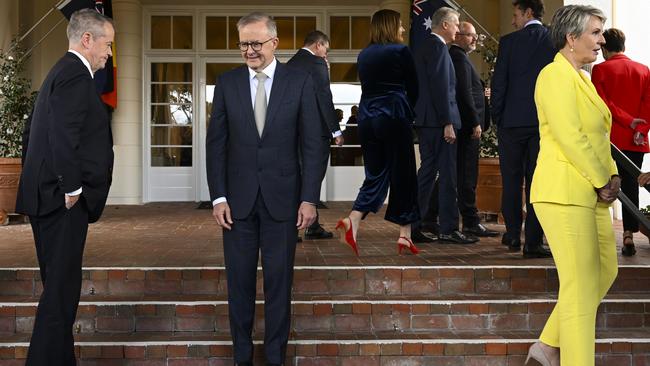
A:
609,192
306,215
638,138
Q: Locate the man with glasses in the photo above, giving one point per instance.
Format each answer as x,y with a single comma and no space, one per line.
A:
263,164
470,96
311,59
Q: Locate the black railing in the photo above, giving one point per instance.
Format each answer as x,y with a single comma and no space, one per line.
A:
634,171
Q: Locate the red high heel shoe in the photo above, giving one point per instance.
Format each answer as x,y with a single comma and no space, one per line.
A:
412,247
346,236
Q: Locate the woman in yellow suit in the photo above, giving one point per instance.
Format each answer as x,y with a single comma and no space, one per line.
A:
574,183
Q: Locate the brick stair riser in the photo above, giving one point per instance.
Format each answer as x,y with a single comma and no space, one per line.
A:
327,317
372,354
326,282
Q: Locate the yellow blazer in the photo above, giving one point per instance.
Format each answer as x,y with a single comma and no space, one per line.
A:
574,126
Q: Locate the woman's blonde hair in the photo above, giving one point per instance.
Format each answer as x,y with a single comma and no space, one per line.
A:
384,27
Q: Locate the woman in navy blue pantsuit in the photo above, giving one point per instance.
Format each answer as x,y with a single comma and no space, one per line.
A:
389,92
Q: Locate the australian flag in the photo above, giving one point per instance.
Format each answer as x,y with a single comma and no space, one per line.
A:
421,12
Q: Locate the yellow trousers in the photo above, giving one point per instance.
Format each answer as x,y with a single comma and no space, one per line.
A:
584,249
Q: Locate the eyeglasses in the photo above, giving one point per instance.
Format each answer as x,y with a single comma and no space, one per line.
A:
256,46
473,35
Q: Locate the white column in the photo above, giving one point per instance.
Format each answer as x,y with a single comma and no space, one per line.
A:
127,118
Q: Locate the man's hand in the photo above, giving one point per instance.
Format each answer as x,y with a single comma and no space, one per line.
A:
639,140
644,178
221,213
636,122
476,132
71,201
339,140
306,215
450,134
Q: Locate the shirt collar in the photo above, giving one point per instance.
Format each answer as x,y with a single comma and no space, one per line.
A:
83,59
532,21
439,36
308,50
269,70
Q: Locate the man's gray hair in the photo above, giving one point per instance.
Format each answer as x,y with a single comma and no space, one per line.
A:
257,17
441,15
86,20
572,20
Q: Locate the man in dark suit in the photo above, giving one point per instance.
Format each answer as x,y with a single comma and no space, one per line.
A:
522,55
67,164
470,95
264,171
311,59
437,122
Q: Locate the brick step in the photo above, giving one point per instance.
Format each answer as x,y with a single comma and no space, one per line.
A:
327,281
486,312
620,348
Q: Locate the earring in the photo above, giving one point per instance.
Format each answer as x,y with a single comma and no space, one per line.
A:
571,49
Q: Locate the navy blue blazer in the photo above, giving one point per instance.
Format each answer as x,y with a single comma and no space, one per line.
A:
470,93
317,68
389,84
522,55
284,164
436,105
67,144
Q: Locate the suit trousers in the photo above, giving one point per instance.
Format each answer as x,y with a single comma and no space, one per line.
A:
467,178
438,158
60,238
325,157
584,251
276,240
389,161
518,150
630,187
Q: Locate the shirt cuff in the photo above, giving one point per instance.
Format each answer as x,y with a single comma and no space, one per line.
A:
218,201
309,203
74,193
336,134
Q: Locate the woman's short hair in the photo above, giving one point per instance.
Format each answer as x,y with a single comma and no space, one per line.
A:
572,20
86,20
384,27
256,17
615,40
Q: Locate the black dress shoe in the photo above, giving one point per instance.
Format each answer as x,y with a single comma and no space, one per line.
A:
479,230
430,228
317,233
513,244
418,237
537,252
456,237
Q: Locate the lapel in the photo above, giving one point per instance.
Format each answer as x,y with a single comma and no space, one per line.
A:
277,94
244,90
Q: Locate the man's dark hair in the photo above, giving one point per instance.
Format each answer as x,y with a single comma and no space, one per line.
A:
615,40
316,36
536,6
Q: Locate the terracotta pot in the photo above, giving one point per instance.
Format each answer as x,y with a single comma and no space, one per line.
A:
488,188
10,169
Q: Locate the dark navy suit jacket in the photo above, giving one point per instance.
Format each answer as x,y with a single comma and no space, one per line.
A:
436,105
67,144
470,93
522,55
317,68
284,163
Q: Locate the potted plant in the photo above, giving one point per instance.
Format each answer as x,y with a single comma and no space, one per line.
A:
488,189
16,103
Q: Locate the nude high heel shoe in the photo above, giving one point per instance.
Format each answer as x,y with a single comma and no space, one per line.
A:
536,353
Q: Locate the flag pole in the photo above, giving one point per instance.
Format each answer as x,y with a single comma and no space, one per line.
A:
58,5
457,6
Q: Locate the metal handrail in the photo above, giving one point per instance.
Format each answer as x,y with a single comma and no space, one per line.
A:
634,171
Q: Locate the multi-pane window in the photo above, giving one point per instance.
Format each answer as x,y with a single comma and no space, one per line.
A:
349,32
171,32
171,114
221,31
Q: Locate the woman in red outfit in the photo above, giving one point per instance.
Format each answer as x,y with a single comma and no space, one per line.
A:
625,86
